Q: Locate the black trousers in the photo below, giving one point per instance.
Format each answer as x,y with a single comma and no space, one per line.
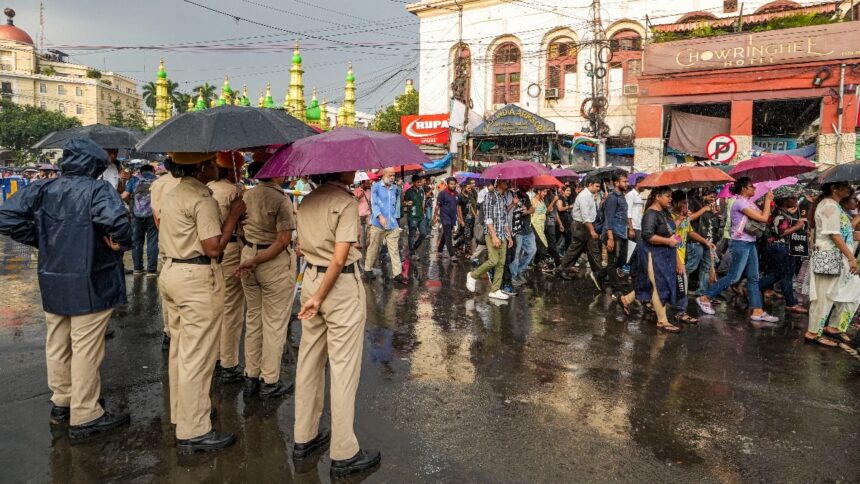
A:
447,239
614,260
507,280
582,242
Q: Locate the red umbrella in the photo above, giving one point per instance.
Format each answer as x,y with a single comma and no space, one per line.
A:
546,181
687,177
772,167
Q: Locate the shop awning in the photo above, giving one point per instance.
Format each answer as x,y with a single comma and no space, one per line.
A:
513,120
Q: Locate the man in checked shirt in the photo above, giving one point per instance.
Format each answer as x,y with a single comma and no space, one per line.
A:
497,235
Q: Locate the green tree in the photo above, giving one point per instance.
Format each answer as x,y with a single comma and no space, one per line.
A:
179,99
149,95
209,92
132,119
22,126
388,119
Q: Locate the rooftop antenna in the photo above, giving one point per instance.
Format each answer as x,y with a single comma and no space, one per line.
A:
42,26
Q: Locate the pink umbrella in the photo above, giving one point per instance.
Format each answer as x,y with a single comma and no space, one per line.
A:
772,167
563,173
514,170
761,188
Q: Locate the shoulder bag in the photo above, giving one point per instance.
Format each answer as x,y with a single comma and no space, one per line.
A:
825,262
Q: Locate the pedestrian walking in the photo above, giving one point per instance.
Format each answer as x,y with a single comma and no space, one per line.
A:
138,193
498,239
333,314
80,227
524,238
585,237
385,208
362,194
225,191
615,233
192,239
449,213
414,203
268,277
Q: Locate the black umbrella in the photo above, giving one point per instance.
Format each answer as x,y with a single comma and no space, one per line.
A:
225,128
108,137
847,172
606,172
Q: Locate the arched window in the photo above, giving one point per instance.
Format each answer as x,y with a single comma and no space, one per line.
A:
561,62
626,64
506,74
777,6
625,40
461,83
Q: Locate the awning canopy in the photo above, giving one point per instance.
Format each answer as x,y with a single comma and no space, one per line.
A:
514,120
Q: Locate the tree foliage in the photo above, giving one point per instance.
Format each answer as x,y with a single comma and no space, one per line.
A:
178,98
388,119
132,119
22,126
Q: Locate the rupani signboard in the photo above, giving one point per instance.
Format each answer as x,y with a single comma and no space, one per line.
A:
425,129
787,46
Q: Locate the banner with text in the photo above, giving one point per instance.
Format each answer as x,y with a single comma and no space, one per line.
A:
425,129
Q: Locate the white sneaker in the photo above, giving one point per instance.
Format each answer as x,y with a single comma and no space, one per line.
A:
471,282
499,295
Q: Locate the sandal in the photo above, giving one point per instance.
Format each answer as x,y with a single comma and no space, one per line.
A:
838,336
821,340
649,307
797,309
668,327
686,318
620,300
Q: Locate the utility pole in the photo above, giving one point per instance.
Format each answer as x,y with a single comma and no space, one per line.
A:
597,83
42,27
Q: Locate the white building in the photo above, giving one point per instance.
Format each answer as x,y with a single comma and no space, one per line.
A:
536,54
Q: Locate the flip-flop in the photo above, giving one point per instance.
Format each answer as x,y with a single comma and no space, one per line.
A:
686,318
823,341
705,307
839,337
668,327
620,300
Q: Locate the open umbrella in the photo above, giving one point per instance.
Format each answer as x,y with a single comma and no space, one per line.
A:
772,167
687,177
343,149
606,172
514,170
846,172
546,181
563,173
361,176
225,128
761,188
107,137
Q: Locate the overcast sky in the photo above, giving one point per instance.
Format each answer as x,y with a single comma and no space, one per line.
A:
379,36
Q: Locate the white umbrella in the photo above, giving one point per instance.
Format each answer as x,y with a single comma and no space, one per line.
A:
361,176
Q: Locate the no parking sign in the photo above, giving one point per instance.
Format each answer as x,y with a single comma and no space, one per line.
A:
721,148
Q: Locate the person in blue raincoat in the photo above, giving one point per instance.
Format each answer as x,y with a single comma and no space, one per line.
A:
80,226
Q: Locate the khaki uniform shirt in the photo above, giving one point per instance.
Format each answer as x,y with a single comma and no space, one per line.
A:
189,215
269,211
224,193
328,215
159,187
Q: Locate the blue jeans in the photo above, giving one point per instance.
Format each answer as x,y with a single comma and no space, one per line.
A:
526,250
782,265
144,228
744,261
699,257
416,234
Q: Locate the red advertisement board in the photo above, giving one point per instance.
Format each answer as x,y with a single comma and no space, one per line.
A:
425,129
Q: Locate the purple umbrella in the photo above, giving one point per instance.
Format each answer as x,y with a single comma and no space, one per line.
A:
343,149
514,170
772,167
563,173
761,188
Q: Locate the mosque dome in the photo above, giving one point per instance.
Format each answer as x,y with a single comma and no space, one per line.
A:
12,33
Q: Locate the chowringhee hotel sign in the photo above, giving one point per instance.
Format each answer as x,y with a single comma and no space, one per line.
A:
788,46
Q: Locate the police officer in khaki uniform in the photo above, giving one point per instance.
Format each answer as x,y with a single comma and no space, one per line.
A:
333,314
225,191
268,277
159,187
192,239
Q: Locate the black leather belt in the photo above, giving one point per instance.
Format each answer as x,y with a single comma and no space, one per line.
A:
350,269
203,260
255,246
234,238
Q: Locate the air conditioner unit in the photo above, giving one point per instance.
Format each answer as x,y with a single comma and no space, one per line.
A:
631,89
551,93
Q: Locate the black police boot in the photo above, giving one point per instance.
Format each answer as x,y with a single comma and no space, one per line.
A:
364,460
233,374
272,390
305,450
252,386
61,415
107,422
208,442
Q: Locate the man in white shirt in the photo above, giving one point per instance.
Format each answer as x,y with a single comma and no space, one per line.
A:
635,210
111,174
480,246
585,237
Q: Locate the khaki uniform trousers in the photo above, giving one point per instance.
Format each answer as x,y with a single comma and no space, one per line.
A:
194,296
75,348
268,292
234,306
335,335
392,240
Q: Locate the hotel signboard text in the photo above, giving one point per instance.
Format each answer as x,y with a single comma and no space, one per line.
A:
775,47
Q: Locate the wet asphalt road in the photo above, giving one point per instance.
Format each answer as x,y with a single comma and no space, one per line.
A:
554,386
